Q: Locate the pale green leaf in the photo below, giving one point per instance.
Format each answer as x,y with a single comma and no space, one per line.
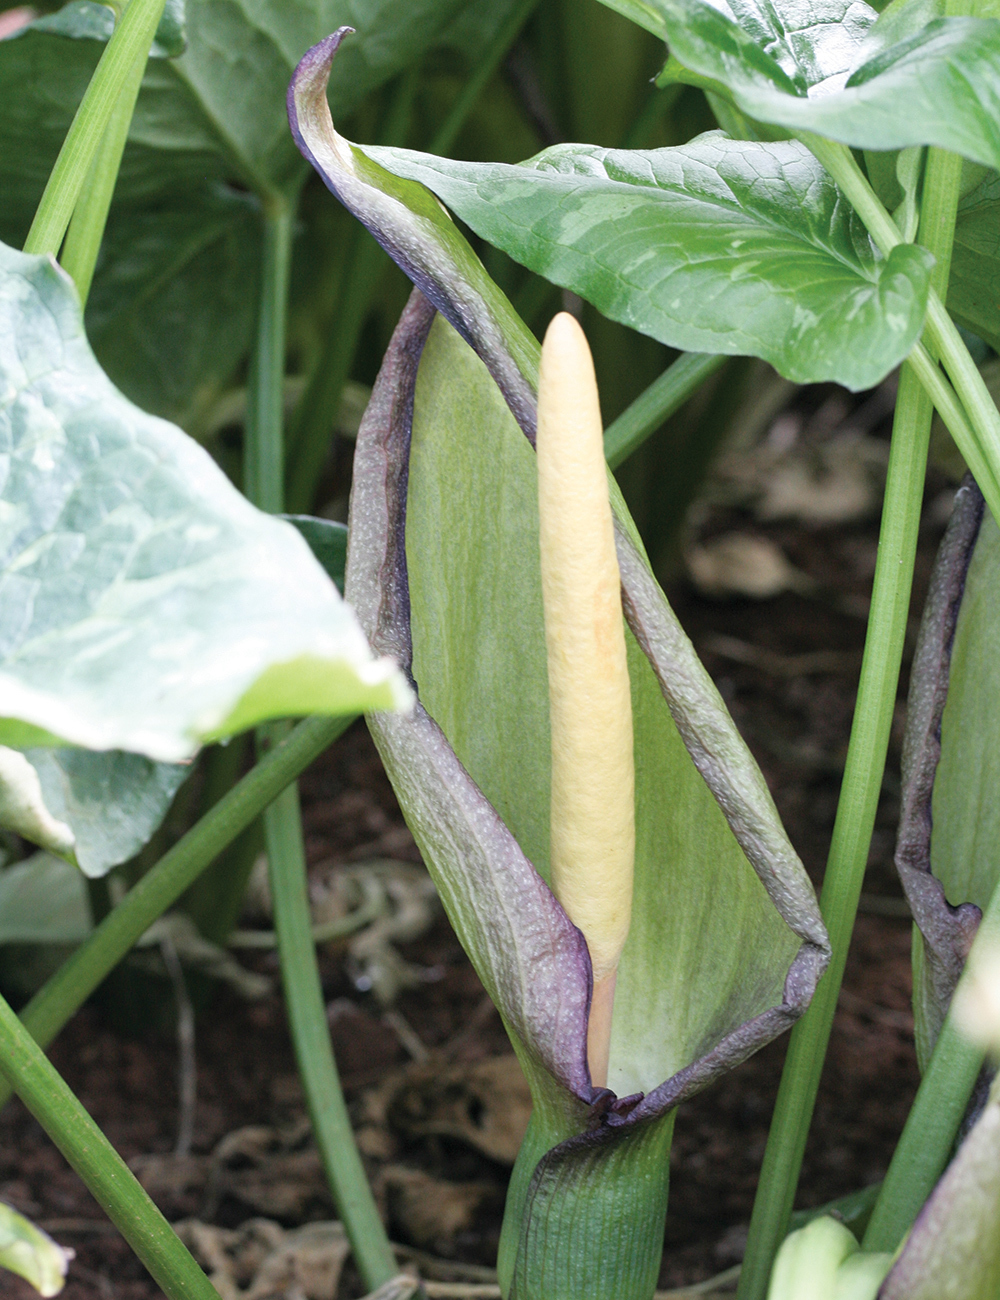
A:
112,802
719,246
31,1253
146,605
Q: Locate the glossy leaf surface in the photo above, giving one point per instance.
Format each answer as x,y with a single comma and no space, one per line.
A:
715,246
784,64
146,605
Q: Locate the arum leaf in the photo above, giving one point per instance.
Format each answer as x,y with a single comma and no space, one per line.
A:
954,1246
112,802
43,900
642,12
87,19
718,246
939,86
147,606
974,288
193,258
328,542
948,872
31,1253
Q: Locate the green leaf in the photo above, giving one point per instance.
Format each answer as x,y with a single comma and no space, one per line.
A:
719,246
180,247
89,20
171,312
974,288
940,85
43,900
643,12
328,542
111,801
31,1253
146,605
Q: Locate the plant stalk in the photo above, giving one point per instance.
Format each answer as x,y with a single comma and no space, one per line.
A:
63,995
863,772
264,473
130,44
664,396
90,216
314,1053
106,1175
926,1143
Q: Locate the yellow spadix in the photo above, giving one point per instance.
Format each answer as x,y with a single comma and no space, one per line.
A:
593,772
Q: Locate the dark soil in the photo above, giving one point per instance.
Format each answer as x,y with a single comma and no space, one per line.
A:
797,723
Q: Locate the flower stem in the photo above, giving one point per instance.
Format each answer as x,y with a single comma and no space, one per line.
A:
63,995
863,772
106,1175
129,45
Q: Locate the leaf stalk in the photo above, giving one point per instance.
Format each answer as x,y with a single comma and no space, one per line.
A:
109,1179
129,44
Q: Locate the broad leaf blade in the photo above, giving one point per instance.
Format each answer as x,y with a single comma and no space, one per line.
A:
43,900
111,801
719,245
940,86
147,606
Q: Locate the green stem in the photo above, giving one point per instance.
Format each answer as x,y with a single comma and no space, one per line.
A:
129,44
90,216
863,772
984,448
503,39
263,457
310,1033
160,888
659,402
926,1143
106,1175
264,464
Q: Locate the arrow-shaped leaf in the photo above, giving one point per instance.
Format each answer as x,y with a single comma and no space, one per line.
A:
146,605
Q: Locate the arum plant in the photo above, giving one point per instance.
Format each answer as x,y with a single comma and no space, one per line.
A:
726,944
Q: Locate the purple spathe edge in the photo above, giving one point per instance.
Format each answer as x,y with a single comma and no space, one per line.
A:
947,931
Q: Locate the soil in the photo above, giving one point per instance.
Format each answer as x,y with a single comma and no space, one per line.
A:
795,713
